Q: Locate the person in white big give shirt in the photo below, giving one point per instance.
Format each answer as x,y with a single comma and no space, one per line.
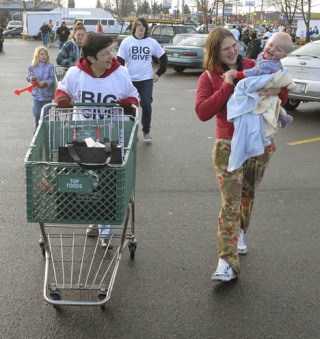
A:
136,52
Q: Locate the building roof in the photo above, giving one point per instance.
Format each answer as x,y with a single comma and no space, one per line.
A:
72,13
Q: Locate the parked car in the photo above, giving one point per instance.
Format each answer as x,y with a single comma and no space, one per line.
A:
304,67
202,29
13,24
17,31
122,37
189,51
164,33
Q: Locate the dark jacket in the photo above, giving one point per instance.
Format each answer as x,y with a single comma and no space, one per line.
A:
254,49
69,54
45,29
63,32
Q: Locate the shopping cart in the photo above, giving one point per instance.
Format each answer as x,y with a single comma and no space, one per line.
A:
65,197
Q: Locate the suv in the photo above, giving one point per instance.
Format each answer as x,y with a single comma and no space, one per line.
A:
164,33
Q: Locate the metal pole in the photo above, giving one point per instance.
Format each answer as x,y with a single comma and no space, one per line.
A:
182,11
120,10
222,12
177,9
217,7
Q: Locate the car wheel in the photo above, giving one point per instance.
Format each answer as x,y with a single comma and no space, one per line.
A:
292,104
9,35
179,69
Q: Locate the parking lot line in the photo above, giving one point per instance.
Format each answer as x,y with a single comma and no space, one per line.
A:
293,143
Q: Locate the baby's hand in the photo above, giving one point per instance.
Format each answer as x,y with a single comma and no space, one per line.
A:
230,75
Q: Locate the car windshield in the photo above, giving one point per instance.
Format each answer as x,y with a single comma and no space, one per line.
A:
193,41
185,29
311,49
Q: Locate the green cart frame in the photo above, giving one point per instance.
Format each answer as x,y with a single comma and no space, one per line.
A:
65,197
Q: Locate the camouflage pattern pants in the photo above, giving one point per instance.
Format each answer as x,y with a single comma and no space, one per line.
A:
237,197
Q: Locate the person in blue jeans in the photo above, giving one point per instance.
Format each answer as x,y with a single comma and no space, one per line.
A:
137,52
45,30
42,71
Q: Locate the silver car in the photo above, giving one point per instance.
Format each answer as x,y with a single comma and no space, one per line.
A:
187,51
304,67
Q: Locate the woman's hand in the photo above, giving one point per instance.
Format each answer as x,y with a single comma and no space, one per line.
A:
268,92
229,76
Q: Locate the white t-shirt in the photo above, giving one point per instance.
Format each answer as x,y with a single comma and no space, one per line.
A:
235,33
267,35
82,87
137,54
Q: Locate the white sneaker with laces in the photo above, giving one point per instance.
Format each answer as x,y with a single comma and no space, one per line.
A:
224,272
242,245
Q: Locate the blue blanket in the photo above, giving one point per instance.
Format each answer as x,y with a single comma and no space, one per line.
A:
248,139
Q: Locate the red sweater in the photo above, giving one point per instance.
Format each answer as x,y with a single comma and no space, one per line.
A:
212,97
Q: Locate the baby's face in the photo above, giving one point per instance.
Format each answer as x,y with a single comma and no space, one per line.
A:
275,49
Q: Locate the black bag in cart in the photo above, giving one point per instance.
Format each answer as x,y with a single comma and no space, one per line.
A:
79,152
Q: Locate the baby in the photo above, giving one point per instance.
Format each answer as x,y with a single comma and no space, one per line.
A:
276,48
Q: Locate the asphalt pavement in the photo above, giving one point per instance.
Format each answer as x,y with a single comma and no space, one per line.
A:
166,292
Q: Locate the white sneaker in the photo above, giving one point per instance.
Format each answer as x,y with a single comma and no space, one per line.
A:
224,272
147,138
105,243
242,245
92,230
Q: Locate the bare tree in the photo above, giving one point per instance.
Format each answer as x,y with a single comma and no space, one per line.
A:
287,7
35,4
57,3
71,4
305,8
144,9
206,7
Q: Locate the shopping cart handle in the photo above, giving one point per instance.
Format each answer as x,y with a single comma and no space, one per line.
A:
94,104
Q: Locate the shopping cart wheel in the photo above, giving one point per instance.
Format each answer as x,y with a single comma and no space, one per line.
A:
132,249
55,296
102,296
42,247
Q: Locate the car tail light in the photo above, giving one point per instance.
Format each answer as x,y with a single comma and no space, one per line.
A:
193,54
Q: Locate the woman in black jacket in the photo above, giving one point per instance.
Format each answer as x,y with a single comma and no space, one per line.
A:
254,46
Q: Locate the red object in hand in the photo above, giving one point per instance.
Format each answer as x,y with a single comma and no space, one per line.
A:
27,89
64,102
125,103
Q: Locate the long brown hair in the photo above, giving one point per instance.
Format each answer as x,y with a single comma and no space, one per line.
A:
212,60
144,23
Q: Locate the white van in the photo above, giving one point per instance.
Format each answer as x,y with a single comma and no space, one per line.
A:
13,24
110,25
